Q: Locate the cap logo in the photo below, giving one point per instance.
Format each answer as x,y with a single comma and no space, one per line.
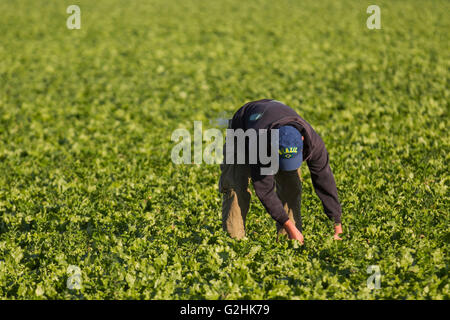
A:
287,153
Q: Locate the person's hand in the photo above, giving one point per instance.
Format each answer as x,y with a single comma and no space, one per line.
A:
337,231
292,231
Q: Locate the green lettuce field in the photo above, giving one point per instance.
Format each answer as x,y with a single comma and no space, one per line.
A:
86,177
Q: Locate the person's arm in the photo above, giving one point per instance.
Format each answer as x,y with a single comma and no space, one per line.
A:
265,191
292,231
337,231
325,186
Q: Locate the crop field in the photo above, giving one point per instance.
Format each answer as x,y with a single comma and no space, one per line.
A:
92,206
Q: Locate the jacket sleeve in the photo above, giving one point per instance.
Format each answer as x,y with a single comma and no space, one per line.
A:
265,191
324,184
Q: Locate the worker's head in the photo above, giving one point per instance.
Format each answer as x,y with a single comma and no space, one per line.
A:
290,148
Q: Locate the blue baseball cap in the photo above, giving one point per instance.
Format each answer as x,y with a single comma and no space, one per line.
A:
290,148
